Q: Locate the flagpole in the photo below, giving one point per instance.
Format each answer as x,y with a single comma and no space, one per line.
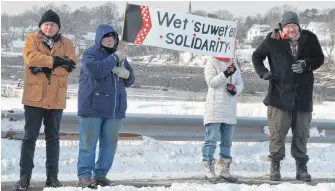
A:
235,46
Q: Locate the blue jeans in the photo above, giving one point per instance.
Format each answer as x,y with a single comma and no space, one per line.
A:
214,133
92,129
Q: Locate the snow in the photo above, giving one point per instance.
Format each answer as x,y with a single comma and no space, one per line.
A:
89,36
191,59
151,159
16,126
184,59
216,187
70,36
11,54
18,44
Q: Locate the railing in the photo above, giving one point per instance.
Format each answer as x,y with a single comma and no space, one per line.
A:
186,127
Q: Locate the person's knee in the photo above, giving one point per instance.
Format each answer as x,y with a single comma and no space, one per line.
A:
213,136
301,137
277,133
52,138
88,142
30,139
211,143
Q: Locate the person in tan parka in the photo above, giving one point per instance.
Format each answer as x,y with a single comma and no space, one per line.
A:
49,57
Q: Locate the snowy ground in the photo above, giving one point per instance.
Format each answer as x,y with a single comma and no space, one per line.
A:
217,187
11,54
151,159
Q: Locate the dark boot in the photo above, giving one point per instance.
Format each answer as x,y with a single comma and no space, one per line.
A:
53,182
87,183
302,173
22,184
275,170
104,182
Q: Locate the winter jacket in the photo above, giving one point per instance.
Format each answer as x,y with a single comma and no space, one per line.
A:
287,87
37,90
101,93
220,106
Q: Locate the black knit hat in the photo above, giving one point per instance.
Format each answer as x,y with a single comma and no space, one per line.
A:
49,16
109,34
289,18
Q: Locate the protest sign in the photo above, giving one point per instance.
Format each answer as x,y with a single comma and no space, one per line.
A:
145,25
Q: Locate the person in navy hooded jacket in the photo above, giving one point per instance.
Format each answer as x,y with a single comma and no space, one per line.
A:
102,102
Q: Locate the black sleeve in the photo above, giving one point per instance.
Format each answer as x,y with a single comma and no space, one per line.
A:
260,54
317,58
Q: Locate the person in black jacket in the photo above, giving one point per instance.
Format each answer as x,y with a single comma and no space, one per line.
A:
293,54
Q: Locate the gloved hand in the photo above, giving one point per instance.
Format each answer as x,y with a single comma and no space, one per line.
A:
230,70
231,89
64,62
300,66
119,56
121,71
267,76
36,70
47,71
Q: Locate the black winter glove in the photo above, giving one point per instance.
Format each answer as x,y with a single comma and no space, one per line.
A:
36,70
230,70
47,71
231,89
64,62
267,76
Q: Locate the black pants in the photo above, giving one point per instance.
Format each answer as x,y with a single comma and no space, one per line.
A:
51,119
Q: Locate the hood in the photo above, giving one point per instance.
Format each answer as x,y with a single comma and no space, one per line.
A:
101,31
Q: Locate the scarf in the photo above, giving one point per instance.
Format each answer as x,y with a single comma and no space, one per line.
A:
276,34
294,44
109,50
49,41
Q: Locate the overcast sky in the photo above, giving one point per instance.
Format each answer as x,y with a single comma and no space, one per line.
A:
238,8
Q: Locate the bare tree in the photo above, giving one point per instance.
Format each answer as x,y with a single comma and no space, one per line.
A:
24,23
330,34
106,13
5,37
224,15
329,48
67,19
309,15
260,19
250,20
241,28
4,23
199,13
81,20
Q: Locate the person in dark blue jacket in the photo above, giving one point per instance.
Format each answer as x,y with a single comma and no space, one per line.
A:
102,103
